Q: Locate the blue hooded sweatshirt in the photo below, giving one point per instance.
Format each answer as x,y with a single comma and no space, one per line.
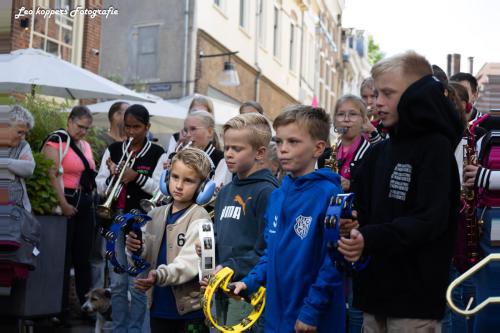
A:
301,281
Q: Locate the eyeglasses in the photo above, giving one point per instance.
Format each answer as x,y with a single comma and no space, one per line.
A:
347,115
191,129
81,127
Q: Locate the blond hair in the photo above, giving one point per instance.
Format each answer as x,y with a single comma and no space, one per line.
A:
411,65
257,125
316,120
357,101
195,159
202,100
367,83
209,122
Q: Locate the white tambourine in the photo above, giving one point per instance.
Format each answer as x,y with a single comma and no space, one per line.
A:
207,241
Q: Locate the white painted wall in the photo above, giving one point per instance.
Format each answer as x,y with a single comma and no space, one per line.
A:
222,23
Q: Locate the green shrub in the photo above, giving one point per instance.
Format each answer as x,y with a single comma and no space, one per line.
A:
42,195
48,117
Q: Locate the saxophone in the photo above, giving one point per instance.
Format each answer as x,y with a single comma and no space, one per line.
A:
331,162
469,201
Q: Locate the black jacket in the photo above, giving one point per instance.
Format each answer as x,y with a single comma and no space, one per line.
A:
215,154
239,221
145,164
408,201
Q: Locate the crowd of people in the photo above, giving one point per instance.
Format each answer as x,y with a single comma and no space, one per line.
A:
399,149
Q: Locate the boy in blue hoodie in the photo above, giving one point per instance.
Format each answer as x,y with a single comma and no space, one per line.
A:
304,291
240,205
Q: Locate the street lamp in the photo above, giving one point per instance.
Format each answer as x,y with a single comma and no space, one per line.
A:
229,76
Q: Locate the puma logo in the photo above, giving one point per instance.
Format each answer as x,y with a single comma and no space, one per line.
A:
243,203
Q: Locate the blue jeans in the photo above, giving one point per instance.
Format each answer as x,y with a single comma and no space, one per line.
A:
355,315
133,318
455,323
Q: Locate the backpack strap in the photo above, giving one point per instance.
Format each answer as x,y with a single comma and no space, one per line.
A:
61,136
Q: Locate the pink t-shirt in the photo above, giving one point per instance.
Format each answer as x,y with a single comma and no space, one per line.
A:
72,164
347,154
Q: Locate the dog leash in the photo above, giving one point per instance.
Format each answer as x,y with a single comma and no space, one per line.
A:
106,274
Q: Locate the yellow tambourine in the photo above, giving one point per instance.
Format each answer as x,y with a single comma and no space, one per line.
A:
221,280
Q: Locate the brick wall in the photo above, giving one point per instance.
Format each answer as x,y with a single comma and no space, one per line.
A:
91,37
91,33
20,37
272,98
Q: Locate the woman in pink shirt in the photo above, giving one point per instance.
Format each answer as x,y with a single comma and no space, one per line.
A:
73,178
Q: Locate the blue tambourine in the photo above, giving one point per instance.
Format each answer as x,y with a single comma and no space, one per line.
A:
340,207
132,221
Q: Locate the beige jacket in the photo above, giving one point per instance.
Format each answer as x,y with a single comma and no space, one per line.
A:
182,260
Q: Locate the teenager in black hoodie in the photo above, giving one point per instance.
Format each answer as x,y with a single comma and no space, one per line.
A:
407,200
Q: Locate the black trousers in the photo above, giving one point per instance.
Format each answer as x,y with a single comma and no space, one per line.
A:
159,325
79,242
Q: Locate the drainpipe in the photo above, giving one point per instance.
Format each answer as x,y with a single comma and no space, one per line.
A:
301,46
186,38
258,17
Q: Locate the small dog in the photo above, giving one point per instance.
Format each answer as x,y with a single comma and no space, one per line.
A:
98,302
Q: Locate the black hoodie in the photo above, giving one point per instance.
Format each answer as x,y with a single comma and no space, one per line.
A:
239,221
408,201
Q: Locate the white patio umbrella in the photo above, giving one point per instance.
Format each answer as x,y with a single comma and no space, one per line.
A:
24,69
223,110
166,117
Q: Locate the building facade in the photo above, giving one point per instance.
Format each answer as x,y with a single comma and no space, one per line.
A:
488,79
287,51
355,57
75,39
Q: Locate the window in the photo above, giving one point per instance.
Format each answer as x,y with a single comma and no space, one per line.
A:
262,22
147,52
276,33
43,3
327,74
221,4
52,48
293,47
60,39
244,14
312,58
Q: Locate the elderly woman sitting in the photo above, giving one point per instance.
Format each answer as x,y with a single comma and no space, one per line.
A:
20,163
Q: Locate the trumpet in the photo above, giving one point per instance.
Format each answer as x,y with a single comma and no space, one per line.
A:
210,203
147,205
490,300
116,185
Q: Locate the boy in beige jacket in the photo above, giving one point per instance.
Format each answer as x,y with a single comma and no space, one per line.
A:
168,244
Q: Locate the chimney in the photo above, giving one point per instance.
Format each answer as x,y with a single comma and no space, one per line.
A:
471,65
455,63
448,65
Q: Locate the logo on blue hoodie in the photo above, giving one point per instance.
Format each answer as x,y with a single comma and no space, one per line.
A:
302,224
